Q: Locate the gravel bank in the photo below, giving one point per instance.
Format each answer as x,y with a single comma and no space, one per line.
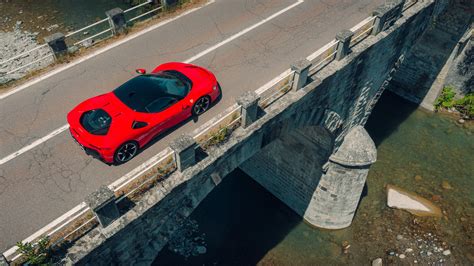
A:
14,43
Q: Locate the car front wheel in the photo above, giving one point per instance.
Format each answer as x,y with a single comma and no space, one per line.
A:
126,152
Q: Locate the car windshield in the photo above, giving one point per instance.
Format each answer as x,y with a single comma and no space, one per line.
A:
144,93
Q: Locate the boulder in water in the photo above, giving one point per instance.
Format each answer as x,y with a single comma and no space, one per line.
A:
416,205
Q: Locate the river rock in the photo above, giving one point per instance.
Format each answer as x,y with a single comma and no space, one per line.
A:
402,256
201,249
15,42
445,185
52,27
418,178
409,201
447,252
377,262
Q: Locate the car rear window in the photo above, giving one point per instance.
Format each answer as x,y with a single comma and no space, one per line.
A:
96,122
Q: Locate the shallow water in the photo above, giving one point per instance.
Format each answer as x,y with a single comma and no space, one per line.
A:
68,15
243,224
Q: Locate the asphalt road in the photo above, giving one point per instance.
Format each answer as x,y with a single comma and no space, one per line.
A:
45,182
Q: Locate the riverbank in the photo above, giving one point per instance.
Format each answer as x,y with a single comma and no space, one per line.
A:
240,223
11,80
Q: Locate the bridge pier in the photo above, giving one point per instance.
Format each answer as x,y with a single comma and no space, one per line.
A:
337,195
295,168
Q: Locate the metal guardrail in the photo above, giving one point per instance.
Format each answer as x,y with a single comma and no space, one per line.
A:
408,4
61,224
69,226
362,30
164,166
277,89
70,39
323,56
220,129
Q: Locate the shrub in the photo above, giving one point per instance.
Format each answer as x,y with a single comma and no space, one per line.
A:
464,105
446,99
37,253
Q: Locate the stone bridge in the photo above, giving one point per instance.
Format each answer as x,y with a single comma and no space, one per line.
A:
309,148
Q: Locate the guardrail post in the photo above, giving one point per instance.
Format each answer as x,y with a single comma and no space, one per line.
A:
301,69
386,15
184,148
168,3
117,20
344,37
249,102
56,43
102,203
3,261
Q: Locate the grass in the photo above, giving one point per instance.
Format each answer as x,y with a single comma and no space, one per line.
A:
447,100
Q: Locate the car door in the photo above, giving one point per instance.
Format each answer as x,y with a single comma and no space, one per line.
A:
165,114
177,113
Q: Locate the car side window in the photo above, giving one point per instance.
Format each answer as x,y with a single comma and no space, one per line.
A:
160,104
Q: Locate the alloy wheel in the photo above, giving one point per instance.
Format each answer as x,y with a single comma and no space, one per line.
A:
201,105
126,152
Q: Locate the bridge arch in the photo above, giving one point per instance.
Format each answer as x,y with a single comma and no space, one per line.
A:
300,164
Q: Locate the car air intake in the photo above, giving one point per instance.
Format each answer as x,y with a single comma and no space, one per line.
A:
96,122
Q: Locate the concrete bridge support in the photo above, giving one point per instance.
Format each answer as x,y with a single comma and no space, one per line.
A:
336,198
295,168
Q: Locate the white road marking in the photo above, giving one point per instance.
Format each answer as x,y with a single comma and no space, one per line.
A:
201,54
237,35
34,144
98,52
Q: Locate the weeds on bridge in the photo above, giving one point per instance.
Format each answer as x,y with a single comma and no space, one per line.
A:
35,253
222,133
135,190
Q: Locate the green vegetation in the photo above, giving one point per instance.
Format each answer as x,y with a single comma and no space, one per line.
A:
37,253
447,100
218,136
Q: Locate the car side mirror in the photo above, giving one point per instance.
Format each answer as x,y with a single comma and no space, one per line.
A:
138,124
140,71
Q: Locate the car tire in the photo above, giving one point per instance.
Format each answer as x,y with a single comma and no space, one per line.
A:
201,105
126,152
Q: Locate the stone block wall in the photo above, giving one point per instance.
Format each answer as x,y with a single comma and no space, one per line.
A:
425,62
339,98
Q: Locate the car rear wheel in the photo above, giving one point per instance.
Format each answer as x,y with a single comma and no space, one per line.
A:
126,152
201,105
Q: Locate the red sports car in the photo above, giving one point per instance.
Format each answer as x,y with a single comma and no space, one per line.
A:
115,125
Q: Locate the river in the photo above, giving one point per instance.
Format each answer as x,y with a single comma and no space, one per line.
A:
240,223
48,16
